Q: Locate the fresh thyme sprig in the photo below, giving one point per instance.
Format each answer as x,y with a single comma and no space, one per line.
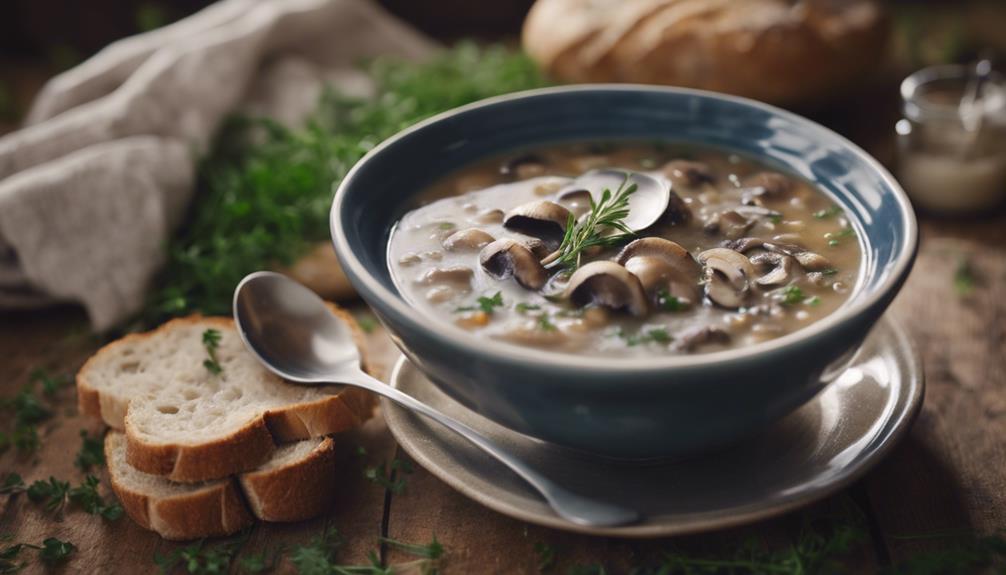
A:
593,230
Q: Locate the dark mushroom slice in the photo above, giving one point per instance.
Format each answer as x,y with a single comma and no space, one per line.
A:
696,337
606,284
646,205
728,277
524,165
537,247
688,173
808,260
730,224
457,276
781,268
469,239
773,184
541,219
507,258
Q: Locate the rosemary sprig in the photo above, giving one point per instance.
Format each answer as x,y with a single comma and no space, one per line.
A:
606,214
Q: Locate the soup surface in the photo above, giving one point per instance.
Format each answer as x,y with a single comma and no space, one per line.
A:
529,249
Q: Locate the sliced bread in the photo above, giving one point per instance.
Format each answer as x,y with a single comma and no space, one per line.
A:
295,484
188,424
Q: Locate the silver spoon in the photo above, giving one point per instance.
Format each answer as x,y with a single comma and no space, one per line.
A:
291,332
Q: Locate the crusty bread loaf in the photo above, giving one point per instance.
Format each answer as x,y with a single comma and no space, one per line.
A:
779,51
295,484
188,424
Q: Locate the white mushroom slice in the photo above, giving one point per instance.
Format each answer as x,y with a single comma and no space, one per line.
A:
440,294
470,239
693,338
493,216
457,276
812,261
660,278
507,258
541,219
607,284
667,250
728,276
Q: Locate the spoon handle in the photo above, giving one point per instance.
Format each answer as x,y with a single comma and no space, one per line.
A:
575,508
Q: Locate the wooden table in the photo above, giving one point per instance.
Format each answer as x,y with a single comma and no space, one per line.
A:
949,474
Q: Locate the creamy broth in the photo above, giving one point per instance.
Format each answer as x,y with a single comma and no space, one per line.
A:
785,254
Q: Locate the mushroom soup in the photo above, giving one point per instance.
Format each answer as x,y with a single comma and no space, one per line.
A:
625,249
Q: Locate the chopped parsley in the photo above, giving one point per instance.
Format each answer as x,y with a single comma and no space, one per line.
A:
828,213
964,278
793,295
485,304
91,452
654,335
27,410
211,341
834,238
54,494
367,322
523,307
668,302
545,324
12,483
446,226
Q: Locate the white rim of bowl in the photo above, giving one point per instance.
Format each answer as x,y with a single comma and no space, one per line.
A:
513,352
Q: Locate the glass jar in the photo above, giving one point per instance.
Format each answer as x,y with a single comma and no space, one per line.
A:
951,150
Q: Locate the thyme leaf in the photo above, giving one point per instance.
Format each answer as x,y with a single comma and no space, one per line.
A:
605,215
211,341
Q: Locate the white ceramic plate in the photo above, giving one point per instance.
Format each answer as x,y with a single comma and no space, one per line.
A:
823,446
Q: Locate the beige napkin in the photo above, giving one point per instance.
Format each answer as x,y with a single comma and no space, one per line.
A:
94,184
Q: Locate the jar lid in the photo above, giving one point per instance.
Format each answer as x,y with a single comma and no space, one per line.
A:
935,93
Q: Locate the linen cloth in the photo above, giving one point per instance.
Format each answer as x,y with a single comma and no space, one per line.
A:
93,185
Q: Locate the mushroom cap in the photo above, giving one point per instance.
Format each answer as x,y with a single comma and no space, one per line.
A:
781,268
688,173
505,258
672,252
728,276
607,284
656,274
458,276
542,219
469,239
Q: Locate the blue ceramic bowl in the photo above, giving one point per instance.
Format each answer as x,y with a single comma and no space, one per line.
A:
625,408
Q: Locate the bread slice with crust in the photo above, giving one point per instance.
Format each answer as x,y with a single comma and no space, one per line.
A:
295,484
188,424
174,510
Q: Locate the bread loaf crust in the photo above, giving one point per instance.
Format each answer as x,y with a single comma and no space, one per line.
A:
296,491
771,50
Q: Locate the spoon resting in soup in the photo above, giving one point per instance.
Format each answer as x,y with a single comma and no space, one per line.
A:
627,249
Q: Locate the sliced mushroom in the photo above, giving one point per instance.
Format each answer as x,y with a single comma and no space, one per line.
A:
773,184
505,258
607,284
688,173
469,239
728,276
662,265
541,219
757,212
729,223
660,279
537,247
808,260
458,276
677,211
523,166
493,216
780,268
695,337
661,248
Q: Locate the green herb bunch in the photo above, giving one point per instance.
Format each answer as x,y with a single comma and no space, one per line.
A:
264,191
594,229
